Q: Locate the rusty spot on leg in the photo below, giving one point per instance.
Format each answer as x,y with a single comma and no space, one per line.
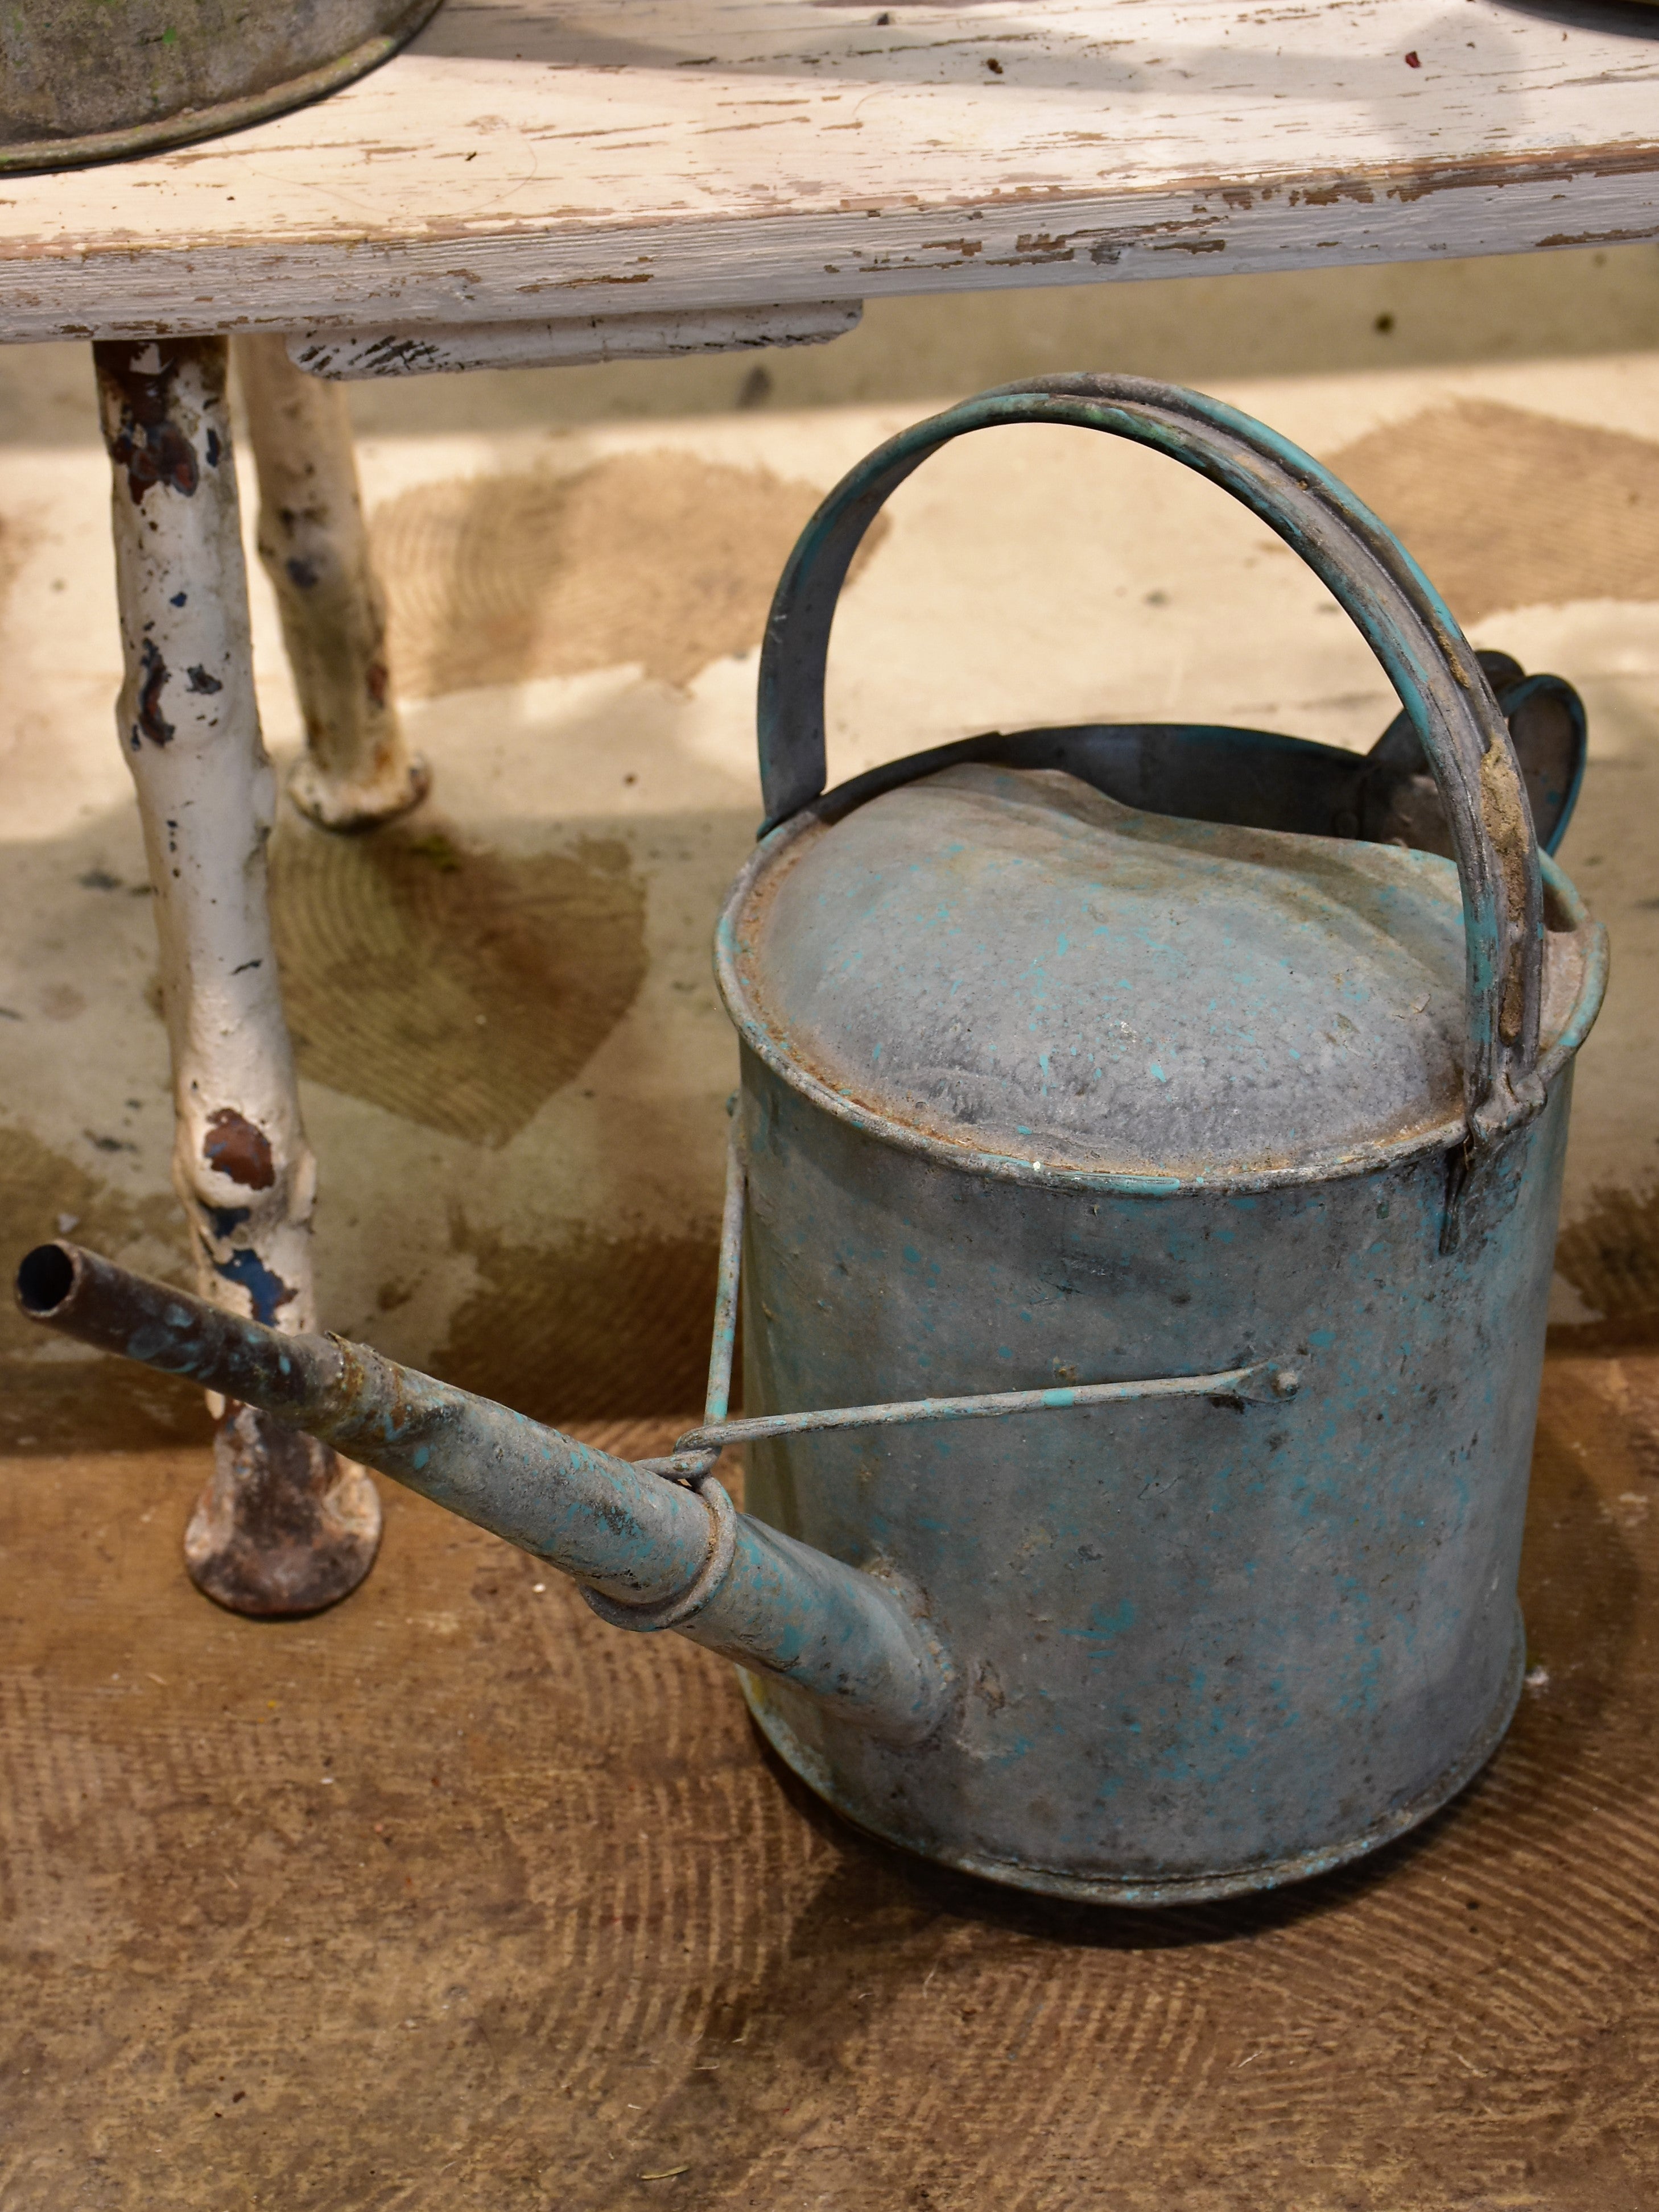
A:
237,1148
1503,808
199,680
283,1527
143,438
152,722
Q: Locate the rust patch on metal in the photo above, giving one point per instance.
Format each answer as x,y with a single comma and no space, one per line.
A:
236,1147
197,679
284,1527
1503,809
144,438
152,723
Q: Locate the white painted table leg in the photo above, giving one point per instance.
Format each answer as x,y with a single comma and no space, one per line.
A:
283,1527
356,770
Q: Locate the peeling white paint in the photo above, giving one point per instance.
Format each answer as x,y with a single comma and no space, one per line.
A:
529,158
189,730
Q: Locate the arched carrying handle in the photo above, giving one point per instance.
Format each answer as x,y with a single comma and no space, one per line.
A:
1426,658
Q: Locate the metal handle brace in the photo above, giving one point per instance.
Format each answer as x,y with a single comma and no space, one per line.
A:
1431,664
692,1460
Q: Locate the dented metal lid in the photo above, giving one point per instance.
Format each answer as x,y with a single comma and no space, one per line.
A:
1011,964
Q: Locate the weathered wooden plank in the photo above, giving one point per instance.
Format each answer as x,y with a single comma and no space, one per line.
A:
528,158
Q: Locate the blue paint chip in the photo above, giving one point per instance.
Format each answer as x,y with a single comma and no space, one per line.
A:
267,1291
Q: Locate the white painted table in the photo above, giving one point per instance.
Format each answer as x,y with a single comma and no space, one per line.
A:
538,180
537,159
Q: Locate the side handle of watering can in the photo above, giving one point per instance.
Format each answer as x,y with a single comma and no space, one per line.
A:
649,1554
1427,659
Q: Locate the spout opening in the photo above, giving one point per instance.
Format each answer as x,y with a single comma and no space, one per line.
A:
45,1279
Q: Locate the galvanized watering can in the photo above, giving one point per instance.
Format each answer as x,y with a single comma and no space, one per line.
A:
1146,1178
85,81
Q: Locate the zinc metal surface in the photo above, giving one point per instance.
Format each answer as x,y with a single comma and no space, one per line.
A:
1012,960
1198,1647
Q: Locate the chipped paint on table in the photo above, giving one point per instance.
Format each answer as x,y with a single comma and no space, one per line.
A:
525,158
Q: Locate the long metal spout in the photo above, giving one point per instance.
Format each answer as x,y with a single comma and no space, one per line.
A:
649,1552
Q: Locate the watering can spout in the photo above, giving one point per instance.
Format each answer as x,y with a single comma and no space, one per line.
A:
649,1552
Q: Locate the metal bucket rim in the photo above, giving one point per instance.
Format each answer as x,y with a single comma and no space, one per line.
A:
1334,1166
39,156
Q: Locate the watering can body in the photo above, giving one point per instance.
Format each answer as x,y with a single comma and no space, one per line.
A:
1144,1188
1203,1646
1041,1088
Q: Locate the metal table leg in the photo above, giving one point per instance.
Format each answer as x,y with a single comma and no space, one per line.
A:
356,770
283,1526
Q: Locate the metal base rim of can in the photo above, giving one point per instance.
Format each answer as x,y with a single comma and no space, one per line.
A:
1187,1889
36,155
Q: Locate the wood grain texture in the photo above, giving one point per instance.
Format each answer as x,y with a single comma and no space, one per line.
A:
570,341
457,1900
535,158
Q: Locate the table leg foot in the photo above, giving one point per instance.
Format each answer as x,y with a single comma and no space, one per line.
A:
284,1525
332,804
356,770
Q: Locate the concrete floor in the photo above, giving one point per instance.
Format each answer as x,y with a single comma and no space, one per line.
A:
455,1899
530,1981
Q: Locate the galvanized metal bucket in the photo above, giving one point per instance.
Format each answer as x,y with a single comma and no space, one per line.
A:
1042,1090
84,81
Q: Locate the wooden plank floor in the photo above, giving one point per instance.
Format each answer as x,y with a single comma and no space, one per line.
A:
456,1899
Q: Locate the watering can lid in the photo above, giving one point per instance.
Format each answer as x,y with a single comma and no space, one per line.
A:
1010,962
